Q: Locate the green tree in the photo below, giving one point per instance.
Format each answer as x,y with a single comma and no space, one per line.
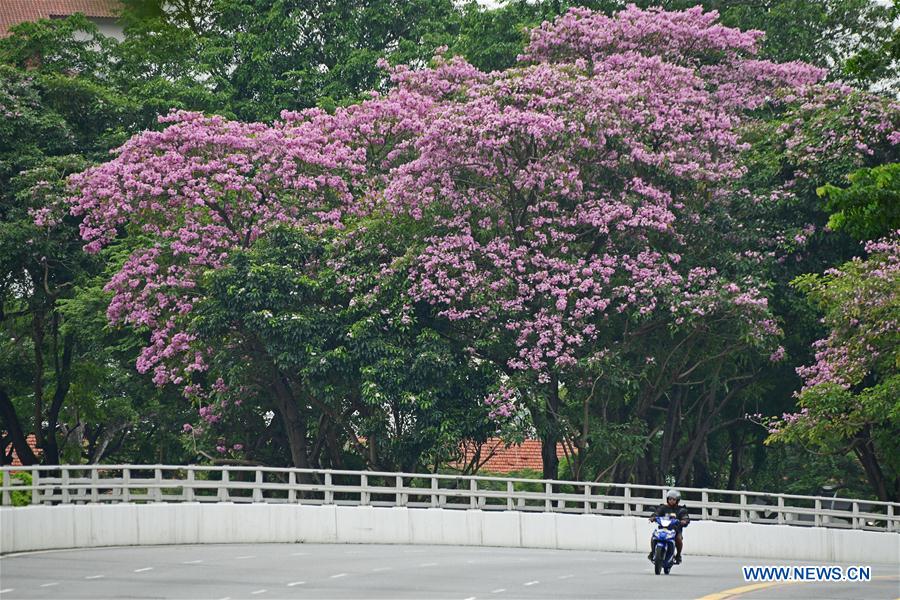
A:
850,401
353,375
877,64
869,207
259,57
62,110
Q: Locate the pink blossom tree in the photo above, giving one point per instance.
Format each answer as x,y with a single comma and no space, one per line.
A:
570,198
561,220
188,197
850,400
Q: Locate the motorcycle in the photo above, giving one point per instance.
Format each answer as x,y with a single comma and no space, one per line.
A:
664,549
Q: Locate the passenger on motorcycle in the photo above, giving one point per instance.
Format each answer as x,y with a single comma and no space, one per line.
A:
672,509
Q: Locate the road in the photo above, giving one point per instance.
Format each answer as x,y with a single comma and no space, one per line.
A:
334,571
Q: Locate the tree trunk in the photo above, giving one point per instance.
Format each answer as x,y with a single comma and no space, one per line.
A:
63,381
293,421
737,455
550,435
37,337
701,476
671,435
14,430
863,448
334,450
105,438
646,471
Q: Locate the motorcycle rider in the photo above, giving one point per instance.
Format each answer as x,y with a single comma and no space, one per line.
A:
672,509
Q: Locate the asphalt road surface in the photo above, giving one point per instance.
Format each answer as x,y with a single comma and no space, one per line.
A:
332,571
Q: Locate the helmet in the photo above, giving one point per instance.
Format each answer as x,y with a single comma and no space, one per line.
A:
673,494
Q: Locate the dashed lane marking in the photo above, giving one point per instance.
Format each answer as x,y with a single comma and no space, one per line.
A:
428,565
565,576
95,577
498,591
335,576
192,562
531,583
381,569
245,557
293,583
7,590
51,584
258,592
144,569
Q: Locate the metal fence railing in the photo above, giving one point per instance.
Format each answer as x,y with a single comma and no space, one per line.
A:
78,484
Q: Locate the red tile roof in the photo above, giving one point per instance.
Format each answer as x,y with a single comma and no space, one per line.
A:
13,12
515,458
32,442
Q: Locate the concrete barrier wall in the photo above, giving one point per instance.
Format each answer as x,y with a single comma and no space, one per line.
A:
92,525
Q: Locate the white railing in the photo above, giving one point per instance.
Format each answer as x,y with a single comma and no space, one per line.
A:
78,484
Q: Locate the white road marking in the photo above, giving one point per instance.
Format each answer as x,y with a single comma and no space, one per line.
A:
293,583
471,598
51,584
428,565
6,590
498,590
300,554
381,569
565,576
243,557
95,577
192,562
258,592
144,569
532,583
338,575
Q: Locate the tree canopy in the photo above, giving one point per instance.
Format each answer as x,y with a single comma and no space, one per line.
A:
362,234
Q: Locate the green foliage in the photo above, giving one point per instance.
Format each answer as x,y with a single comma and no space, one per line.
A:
383,370
869,208
21,497
354,363
877,64
47,45
814,32
492,39
259,57
851,397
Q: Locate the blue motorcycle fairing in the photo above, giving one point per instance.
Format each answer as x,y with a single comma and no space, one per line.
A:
664,536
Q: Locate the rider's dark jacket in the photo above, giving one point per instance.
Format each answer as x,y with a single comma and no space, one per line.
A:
679,512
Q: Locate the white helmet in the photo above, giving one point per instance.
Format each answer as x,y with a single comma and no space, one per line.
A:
673,494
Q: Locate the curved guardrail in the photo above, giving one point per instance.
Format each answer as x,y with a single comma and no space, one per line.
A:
79,484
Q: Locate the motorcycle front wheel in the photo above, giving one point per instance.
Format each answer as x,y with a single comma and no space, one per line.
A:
659,557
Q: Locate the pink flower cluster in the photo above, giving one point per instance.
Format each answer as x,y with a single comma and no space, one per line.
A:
505,403
556,195
864,333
